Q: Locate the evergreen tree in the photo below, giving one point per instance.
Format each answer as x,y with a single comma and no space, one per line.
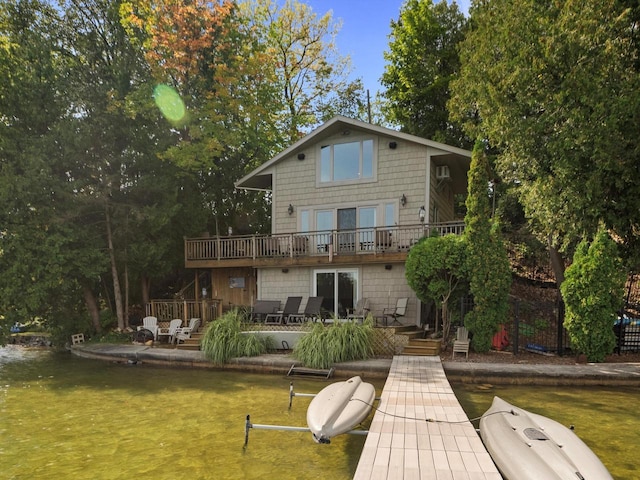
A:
593,292
487,262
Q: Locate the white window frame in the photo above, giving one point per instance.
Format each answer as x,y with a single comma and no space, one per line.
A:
360,179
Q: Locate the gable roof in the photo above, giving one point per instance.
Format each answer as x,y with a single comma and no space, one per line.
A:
260,178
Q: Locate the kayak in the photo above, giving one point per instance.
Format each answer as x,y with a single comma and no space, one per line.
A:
527,446
339,407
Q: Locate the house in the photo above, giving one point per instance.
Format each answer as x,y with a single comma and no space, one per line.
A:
348,201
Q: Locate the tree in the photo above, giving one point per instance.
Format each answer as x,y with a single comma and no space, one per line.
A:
488,264
436,271
422,60
555,87
593,293
312,77
43,254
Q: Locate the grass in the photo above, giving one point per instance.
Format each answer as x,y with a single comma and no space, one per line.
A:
324,346
224,340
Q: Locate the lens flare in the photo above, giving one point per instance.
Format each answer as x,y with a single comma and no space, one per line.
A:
169,103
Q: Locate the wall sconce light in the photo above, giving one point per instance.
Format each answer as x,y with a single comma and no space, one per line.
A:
388,267
422,214
301,156
393,145
204,293
285,270
403,200
290,209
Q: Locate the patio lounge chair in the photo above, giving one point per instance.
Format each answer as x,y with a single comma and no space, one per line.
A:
398,311
312,311
291,307
150,323
361,311
262,308
171,331
461,343
184,333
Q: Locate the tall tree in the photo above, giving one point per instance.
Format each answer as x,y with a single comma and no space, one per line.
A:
422,60
205,52
45,256
555,86
113,139
488,264
312,77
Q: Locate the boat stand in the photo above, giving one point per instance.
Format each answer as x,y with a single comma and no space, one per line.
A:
287,428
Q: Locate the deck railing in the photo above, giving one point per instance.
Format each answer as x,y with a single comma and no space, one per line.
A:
364,241
166,310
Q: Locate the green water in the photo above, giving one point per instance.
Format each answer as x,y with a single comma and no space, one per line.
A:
606,419
66,417
63,417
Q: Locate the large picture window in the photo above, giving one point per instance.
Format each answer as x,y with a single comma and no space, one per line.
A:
349,161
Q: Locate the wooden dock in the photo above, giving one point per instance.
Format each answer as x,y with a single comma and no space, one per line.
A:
402,444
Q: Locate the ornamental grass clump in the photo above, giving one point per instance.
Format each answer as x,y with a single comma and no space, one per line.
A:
224,339
324,346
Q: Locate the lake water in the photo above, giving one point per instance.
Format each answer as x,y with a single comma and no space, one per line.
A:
67,417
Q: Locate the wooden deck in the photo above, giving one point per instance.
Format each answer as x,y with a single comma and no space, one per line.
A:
402,445
358,246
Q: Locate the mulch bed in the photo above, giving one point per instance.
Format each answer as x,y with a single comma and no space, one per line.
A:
525,357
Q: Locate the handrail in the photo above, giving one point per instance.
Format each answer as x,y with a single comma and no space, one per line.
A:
366,241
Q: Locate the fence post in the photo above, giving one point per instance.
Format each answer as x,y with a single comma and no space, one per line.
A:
560,346
516,326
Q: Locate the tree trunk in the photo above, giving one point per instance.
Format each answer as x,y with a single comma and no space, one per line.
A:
117,293
92,307
145,287
126,295
557,263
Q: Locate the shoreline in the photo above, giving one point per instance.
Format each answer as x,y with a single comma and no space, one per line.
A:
601,374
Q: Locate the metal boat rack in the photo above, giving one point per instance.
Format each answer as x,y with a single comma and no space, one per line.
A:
310,372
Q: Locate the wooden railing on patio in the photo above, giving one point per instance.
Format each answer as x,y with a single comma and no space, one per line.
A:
328,242
166,310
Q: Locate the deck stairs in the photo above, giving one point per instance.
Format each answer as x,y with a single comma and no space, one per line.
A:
418,345
192,343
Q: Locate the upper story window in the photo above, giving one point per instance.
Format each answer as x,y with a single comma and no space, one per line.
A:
349,161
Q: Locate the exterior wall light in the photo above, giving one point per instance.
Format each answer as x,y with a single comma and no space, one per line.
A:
422,214
301,156
290,209
393,145
403,200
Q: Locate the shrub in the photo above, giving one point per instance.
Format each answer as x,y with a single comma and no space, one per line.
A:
224,339
593,293
324,346
435,271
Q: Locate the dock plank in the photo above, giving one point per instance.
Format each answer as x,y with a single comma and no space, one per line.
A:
403,444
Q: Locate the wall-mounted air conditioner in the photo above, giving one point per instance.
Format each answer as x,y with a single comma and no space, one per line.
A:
442,172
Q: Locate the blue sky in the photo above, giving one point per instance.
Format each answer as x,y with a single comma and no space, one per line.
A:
365,31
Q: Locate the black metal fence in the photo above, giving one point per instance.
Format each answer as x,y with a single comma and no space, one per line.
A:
534,326
537,326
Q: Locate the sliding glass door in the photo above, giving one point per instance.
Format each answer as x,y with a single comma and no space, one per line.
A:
339,287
